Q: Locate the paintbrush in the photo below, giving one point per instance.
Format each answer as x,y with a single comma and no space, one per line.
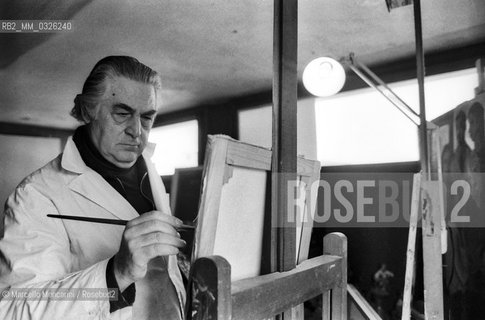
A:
106,221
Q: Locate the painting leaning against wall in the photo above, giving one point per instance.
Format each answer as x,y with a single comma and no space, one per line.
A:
463,159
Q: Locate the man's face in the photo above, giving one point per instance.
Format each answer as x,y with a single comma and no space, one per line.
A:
123,119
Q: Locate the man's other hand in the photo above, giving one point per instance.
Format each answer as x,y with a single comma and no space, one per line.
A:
145,237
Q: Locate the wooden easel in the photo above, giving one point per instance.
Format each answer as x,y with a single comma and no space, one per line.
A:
288,285
429,187
236,231
428,203
214,296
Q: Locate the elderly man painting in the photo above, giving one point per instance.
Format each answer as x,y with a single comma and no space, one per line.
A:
103,172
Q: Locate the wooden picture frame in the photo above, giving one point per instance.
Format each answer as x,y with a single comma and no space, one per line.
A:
234,204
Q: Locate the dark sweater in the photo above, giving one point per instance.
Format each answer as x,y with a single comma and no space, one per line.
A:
131,183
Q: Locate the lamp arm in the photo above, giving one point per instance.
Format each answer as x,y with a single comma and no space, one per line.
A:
382,83
354,66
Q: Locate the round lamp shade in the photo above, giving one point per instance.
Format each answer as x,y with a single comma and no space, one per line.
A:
324,77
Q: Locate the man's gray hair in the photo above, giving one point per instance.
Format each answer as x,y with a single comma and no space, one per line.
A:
109,67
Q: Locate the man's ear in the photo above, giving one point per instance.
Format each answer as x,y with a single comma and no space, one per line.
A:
88,113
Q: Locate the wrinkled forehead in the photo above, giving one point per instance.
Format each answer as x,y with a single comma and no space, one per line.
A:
136,94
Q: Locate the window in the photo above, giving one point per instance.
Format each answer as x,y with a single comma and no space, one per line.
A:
362,127
177,146
255,126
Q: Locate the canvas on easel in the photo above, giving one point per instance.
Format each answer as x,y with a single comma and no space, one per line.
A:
231,217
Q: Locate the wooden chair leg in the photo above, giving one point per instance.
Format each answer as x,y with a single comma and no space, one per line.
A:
334,303
326,305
